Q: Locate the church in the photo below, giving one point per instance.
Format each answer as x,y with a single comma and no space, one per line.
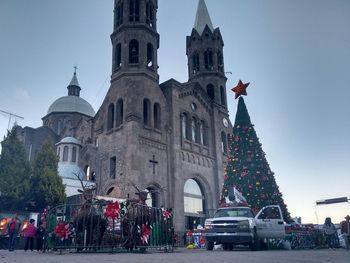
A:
169,138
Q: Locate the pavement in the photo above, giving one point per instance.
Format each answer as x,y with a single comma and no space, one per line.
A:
181,255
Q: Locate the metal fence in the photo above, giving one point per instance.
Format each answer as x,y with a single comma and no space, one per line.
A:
89,228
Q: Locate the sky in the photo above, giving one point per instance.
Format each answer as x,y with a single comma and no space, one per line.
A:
295,54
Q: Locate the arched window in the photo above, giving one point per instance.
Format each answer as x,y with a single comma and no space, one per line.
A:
223,142
193,198
146,112
193,129
220,62
59,126
74,154
156,116
184,121
152,197
201,132
119,14
211,91
112,167
195,61
65,154
150,55
205,134
208,60
118,56
110,116
134,10
222,96
149,13
119,113
133,51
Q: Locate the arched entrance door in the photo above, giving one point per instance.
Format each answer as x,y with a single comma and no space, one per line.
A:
152,197
193,204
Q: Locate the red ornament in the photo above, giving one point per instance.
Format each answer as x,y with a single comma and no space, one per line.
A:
62,231
145,233
166,214
112,210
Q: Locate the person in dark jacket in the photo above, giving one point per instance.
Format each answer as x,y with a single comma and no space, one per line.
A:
40,233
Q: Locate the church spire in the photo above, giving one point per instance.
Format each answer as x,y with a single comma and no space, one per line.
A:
74,87
202,18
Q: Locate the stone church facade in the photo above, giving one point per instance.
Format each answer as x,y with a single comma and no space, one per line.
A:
169,138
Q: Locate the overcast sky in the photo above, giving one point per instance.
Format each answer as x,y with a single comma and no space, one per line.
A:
295,54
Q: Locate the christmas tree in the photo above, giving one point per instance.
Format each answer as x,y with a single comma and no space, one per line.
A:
247,169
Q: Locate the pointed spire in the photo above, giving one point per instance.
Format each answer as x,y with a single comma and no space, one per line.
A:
242,115
74,81
202,18
74,87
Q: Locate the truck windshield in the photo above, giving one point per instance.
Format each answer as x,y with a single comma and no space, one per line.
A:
234,212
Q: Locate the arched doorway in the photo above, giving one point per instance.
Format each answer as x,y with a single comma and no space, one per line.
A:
193,204
152,197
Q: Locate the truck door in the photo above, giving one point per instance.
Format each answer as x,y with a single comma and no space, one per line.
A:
269,222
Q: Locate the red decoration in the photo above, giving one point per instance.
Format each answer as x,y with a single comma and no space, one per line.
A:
112,210
62,231
145,233
240,89
166,214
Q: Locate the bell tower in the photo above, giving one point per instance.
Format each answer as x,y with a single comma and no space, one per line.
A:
135,39
204,50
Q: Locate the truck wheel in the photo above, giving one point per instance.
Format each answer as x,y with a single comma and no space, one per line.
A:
209,245
255,245
227,247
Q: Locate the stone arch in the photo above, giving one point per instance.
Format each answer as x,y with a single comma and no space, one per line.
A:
205,188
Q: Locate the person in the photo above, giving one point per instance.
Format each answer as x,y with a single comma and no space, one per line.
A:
329,231
29,234
13,229
345,227
40,233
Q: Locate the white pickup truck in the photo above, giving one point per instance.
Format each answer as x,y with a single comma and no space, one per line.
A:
232,226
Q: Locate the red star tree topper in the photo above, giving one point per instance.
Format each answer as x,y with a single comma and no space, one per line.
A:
240,89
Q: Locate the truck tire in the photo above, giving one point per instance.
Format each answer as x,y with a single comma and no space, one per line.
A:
227,247
209,245
255,245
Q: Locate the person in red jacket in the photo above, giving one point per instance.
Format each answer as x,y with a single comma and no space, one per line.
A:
29,234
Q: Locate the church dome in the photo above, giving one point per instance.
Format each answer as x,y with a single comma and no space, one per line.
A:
69,140
71,104
71,171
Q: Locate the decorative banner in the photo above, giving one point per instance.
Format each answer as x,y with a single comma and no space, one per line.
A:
112,210
62,231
